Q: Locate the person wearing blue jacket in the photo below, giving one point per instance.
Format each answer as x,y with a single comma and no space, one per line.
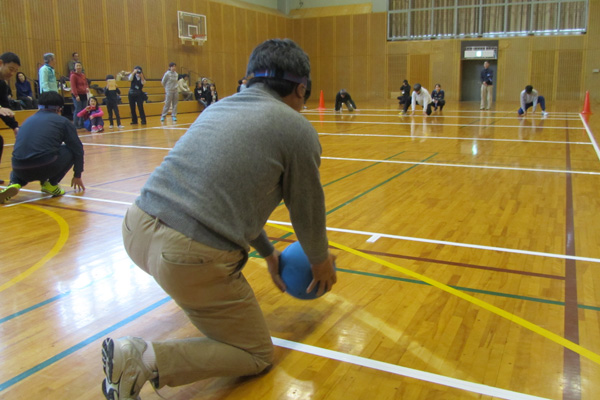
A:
487,86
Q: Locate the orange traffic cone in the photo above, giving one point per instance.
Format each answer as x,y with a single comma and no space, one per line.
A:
586,104
321,102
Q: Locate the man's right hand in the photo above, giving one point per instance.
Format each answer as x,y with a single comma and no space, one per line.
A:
324,275
7,112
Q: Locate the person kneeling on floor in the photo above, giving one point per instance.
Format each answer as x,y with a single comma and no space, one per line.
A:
46,148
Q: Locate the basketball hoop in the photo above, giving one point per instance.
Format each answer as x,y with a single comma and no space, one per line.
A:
192,28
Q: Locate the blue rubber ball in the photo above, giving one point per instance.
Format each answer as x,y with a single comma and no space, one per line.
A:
296,273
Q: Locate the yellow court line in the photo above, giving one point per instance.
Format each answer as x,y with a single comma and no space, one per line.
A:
487,306
62,239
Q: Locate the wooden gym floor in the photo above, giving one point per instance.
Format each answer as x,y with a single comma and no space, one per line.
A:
499,216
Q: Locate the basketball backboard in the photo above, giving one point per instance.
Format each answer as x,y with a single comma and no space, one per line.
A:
192,27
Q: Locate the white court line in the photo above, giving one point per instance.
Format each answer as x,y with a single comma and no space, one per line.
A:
357,113
589,132
434,124
557,171
170,128
457,111
434,164
127,146
385,235
404,371
453,138
456,244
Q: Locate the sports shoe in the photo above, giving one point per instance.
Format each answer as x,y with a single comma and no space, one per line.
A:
94,129
100,128
162,119
120,127
125,371
544,113
54,190
111,126
174,119
9,192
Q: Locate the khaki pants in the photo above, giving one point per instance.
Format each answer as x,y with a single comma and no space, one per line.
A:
171,99
208,285
487,91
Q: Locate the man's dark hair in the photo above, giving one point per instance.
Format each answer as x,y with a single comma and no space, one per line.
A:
278,56
417,87
528,89
73,55
184,76
110,77
9,57
171,64
51,99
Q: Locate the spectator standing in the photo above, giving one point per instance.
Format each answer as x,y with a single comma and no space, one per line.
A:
112,98
71,64
136,95
79,91
169,82
487,86
47,75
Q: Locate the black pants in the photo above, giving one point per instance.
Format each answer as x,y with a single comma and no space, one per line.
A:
137,97
349,104
30,104
30,170
428,111
113,106
440,104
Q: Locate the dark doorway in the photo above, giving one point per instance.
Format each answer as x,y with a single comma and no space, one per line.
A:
470,87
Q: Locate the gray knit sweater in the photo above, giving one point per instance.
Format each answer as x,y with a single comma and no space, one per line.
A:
169,80
233,166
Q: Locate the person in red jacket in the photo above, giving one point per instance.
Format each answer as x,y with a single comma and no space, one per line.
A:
79,90
92,115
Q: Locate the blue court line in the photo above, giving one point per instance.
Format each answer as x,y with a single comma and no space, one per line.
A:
80,345
57,297
135,316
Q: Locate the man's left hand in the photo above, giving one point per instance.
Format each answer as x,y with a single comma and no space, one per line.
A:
77,183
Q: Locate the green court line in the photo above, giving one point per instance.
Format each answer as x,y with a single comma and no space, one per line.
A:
379,185
362,169
355,172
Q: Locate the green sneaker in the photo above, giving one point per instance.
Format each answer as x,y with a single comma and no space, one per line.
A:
52,189
9,192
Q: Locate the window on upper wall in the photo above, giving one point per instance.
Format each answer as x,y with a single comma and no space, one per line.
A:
428,19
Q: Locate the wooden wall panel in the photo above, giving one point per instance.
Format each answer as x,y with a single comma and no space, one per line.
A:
514,55
215,28
271,26
360,74
343,74
326,37
542,71
360,42
251,30
310,35
570,67
344,35
397,72
419,68
377,78
262,28
377,35
117,34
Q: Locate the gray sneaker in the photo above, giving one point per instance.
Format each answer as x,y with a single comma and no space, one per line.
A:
125,371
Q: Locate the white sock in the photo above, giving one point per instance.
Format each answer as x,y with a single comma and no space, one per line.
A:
149,359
